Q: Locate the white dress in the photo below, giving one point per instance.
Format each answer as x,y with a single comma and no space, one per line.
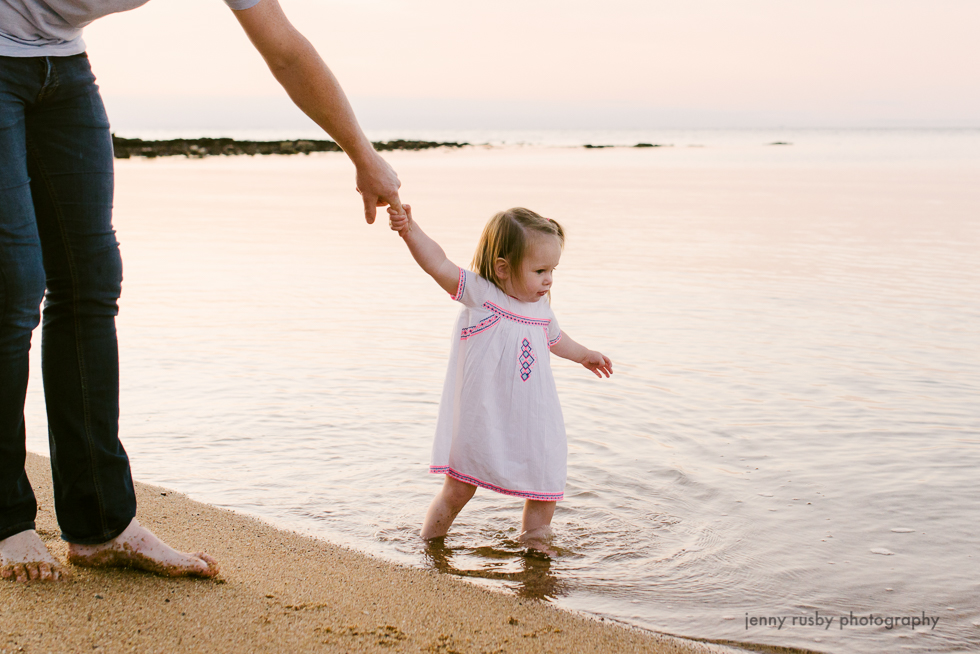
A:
500,424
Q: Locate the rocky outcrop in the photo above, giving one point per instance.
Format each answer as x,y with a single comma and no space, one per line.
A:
638,145
126,148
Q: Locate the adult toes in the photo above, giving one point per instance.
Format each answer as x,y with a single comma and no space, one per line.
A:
33,571
212,564
20,572
44,570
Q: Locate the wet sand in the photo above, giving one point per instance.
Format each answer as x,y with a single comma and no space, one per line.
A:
280,591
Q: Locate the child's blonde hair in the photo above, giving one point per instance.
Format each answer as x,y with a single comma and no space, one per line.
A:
506,236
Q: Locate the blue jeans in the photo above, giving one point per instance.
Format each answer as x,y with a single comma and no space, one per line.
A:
56,183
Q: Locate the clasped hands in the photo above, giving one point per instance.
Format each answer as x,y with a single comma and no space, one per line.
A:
400,220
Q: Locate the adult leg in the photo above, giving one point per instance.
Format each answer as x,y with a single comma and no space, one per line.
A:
536,525
445,506
69,153
22,554
70,162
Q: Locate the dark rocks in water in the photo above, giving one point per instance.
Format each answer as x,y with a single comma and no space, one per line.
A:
399,144
638,145
780,143
126,148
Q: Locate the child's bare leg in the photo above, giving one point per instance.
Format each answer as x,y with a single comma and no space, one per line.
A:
445,506
536,525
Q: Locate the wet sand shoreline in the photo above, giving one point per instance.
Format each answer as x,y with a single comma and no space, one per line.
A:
281,591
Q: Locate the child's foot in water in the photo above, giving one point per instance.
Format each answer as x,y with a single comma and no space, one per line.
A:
539,540
137,547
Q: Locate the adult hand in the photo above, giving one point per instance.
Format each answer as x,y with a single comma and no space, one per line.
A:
378,184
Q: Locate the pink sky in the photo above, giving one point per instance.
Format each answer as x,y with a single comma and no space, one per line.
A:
860,61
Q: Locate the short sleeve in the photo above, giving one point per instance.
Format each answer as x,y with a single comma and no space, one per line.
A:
473,290
554,331
238,5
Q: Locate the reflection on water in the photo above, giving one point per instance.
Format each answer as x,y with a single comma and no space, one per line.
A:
792,426
526,571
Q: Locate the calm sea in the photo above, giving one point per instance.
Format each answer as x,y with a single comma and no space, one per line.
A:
793,429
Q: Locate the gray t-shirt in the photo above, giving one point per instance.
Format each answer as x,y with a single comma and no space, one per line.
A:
53,28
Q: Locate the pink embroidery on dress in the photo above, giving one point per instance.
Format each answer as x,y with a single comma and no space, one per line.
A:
554,342
526,359
479,327
462,285
516,317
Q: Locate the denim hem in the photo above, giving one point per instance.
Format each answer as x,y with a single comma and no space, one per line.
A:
104,537
16,529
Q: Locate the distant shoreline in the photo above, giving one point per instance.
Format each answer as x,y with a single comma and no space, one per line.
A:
198,148
124,148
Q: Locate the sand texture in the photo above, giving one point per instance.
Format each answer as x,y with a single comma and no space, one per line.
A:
280,592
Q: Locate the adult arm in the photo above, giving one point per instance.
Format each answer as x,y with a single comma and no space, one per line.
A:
295,63
597,362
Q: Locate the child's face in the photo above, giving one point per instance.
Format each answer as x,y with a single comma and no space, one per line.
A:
537,269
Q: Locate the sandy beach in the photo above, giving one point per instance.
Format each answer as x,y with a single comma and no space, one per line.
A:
280,591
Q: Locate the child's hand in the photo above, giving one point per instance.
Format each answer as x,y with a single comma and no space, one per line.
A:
598,363
400,222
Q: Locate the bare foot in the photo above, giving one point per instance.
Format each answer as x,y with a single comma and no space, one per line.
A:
539,540
138,548
23,557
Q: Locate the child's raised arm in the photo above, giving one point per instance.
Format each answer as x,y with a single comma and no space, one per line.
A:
428,254
597,362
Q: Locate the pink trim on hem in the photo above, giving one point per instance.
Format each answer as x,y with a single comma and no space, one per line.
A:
473,481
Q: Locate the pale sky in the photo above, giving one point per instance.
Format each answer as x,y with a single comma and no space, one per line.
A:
615,63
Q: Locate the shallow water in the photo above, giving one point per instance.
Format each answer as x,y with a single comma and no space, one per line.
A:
793,426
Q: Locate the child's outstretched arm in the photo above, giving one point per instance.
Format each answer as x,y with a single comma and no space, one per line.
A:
428,254
597,362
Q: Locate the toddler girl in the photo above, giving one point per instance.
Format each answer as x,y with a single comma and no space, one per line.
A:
500,424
